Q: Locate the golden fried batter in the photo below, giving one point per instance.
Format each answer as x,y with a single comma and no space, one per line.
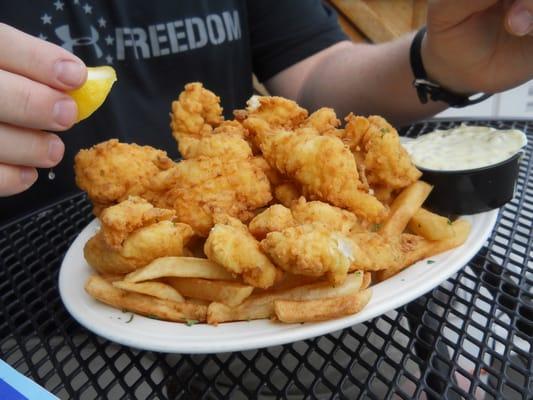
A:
274,177
334,218
221,145
142,246
276,111
277,217
312,250
162,239
274,218
231,245
287,192
111,171
197,125
323,165
196,112
105,259
120,220
202,187
324,121
225,141
377,146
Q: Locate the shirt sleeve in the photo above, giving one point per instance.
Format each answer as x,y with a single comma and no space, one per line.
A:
284,32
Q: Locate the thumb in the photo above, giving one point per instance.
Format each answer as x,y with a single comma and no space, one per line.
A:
519,18
444,14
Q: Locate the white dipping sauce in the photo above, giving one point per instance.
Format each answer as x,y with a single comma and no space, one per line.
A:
464,147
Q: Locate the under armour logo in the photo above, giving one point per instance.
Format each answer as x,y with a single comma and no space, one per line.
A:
63,33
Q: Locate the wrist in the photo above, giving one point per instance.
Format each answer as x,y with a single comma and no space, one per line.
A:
439,70
429,87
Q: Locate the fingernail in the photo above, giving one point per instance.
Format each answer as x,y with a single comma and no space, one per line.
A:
65,112
71,73
520,22
55,150
28,176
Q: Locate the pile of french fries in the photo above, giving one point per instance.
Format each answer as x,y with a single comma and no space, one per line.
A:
192,289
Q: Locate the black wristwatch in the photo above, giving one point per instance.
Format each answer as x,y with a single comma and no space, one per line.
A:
430,90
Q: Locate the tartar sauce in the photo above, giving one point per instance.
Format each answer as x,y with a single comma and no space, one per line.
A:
464,147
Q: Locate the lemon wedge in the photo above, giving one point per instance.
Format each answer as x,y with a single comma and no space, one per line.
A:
94,91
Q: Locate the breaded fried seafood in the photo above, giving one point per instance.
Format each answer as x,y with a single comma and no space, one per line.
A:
199,188
323,166
276,214
111,171
231,245
120,220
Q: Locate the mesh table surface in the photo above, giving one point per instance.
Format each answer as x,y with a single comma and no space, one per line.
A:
471,337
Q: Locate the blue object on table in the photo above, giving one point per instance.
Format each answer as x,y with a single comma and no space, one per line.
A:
15,386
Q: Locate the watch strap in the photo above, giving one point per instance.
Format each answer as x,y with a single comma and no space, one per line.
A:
428,90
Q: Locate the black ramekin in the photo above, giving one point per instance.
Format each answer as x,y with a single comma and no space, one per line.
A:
472,191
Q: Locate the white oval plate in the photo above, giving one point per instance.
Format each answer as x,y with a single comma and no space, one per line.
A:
149,334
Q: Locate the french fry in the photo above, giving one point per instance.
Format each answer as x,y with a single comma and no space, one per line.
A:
229,293
291,311
430,225
461,229
155,289
404,207
423,248
183,267
142,304
262,305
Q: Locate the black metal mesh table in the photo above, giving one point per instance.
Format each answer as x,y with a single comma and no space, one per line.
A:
471,337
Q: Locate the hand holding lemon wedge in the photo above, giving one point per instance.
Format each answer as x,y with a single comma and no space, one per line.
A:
90,96
41,97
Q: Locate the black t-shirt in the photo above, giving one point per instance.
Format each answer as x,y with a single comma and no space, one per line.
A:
156,47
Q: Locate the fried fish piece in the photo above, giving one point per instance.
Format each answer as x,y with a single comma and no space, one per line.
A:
334,218
215,145
322,165
376,145
231,245
226,141
312,250
120,220
287,192
106,260
140,247
111,171
195,114
324,121
278,217
274,110
199,128
274,177
199,188
274,218
161,239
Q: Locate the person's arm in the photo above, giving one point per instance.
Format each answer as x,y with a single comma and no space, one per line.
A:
360,78
474,46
